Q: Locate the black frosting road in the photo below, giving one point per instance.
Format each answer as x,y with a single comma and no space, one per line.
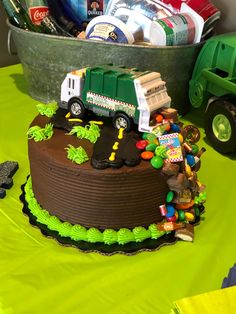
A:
126,154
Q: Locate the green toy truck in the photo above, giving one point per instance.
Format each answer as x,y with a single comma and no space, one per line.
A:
213,84
126,95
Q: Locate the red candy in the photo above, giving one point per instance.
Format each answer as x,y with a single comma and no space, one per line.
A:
172,218
141,144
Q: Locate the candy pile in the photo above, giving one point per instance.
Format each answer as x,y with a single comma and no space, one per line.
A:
173,149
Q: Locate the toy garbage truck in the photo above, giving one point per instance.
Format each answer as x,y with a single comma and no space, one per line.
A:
126,95
213,84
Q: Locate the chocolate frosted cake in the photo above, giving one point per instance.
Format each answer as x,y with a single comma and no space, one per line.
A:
79,194
113,185
139,200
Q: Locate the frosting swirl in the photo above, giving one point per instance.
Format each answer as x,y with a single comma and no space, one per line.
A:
92,235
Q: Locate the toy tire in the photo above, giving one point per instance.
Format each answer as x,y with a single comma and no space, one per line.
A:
121,120
220,125
76,107
197,95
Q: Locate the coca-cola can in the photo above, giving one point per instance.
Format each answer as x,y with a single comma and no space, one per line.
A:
163,210
208,11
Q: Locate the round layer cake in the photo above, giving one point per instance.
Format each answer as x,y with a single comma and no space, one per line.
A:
127,197
112,201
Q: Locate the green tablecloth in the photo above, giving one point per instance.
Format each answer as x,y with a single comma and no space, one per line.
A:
37,275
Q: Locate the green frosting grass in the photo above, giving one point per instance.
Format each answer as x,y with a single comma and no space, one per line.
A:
47,110
77,155
40,134
92,235
89,132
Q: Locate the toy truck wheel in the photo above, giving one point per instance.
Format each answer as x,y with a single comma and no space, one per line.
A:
121,120
76,107
220,126
197,95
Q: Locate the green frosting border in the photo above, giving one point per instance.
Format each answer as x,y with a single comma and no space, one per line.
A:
93,235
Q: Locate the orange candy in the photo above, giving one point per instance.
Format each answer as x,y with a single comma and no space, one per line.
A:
167,127
159,118
147,155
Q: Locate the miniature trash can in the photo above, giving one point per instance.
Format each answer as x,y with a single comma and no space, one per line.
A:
46,59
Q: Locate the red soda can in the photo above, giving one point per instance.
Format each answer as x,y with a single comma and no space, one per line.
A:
163,210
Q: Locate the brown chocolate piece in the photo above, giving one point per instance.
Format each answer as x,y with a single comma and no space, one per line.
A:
169,113
178,183
186,233
184,196
170,169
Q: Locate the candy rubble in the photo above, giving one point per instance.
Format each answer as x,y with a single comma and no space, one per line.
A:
178,157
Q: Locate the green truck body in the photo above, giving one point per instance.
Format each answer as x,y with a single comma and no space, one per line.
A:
127,95
102,85
213,84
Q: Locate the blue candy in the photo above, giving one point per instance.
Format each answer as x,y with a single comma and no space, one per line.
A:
170,211
190,160
175,128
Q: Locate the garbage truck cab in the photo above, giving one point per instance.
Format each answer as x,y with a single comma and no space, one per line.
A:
127,95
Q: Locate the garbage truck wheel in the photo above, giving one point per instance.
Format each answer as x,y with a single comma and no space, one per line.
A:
220,125
121,120
76,107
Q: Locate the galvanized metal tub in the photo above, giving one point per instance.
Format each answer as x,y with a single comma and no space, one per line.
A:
46,59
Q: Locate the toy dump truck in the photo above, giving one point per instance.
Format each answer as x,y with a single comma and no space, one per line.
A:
126,95
213,84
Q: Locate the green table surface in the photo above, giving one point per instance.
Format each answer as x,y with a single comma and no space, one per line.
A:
37,275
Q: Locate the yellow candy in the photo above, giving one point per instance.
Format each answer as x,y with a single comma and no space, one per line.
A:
115,146
176,215
189,216
112,156
188,170
181,139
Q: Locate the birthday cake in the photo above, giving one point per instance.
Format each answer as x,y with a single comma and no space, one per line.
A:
103,189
